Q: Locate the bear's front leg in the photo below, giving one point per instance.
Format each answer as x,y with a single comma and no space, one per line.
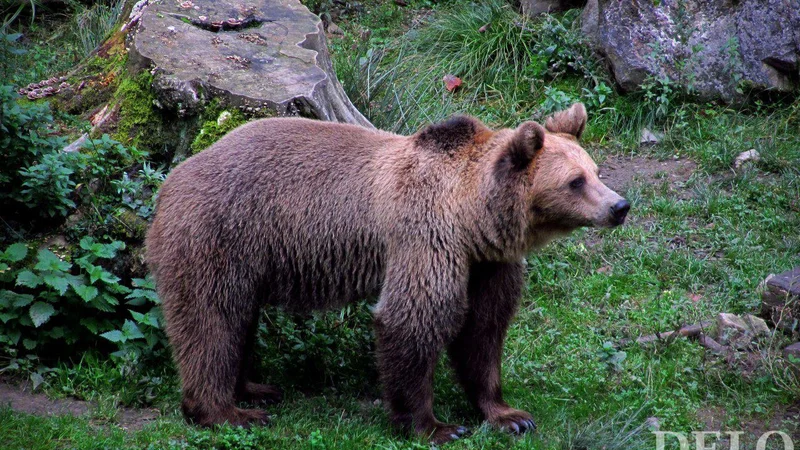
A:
418,313
476,353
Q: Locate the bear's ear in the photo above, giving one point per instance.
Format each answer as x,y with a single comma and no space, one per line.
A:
526,143
571,121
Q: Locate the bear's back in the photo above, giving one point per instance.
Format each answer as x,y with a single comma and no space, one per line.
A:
290,200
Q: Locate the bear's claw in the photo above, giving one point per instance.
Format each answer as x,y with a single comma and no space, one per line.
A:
514,421
444,433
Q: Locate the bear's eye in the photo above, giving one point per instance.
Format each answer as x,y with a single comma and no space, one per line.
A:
577,183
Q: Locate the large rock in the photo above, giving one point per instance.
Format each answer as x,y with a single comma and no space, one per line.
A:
710,47
266,56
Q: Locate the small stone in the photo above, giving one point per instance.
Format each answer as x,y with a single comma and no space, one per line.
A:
792,353
334,29
749,156
740,332
780,302
649,138
757,325
653,423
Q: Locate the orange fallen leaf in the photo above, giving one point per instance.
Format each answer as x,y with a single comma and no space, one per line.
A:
451,82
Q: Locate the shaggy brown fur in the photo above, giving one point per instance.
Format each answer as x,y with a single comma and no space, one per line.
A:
309,215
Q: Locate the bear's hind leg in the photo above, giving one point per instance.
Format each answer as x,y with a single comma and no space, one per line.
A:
246,390
208,339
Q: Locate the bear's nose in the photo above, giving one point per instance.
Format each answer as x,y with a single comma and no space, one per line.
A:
619,210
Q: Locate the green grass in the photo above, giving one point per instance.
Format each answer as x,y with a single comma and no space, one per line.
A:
733,228
55,41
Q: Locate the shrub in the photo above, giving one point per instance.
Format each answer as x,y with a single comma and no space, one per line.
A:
323,348
34,172
71,300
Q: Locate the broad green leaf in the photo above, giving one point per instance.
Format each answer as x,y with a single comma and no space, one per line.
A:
37,379
114,336
75,280
30,344
109,277
22,300
91,324
6,297
28,279
95,272
56,333
87,293
131,330
141,296
50,261
5,317
144,283
13,337
41,312
58,281
87,242
16,252
118,288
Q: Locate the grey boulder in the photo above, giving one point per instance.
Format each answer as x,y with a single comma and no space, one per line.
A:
713,48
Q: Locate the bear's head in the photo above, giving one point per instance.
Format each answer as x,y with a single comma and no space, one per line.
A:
544,184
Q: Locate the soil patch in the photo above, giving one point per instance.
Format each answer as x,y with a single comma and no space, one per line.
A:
22,399
784,418
619,172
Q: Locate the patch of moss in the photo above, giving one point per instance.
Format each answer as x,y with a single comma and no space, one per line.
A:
212,130
139,121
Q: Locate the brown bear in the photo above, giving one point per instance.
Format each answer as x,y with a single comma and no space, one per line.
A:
308,215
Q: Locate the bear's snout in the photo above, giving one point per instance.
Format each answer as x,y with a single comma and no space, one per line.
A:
619,211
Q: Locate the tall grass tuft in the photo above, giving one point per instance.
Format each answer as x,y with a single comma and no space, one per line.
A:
621,431
503,58
90,26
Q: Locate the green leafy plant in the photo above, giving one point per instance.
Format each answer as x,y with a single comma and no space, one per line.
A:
71,298
322,348
34,172
105,158
48,186
555,100
139,193
659,94
612,357
596,97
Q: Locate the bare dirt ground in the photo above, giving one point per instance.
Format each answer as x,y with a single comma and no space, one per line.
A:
619,172
21,398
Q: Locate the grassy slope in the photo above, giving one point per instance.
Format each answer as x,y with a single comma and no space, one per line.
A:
735,229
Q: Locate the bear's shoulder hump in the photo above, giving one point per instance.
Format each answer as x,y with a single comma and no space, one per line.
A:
451,135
